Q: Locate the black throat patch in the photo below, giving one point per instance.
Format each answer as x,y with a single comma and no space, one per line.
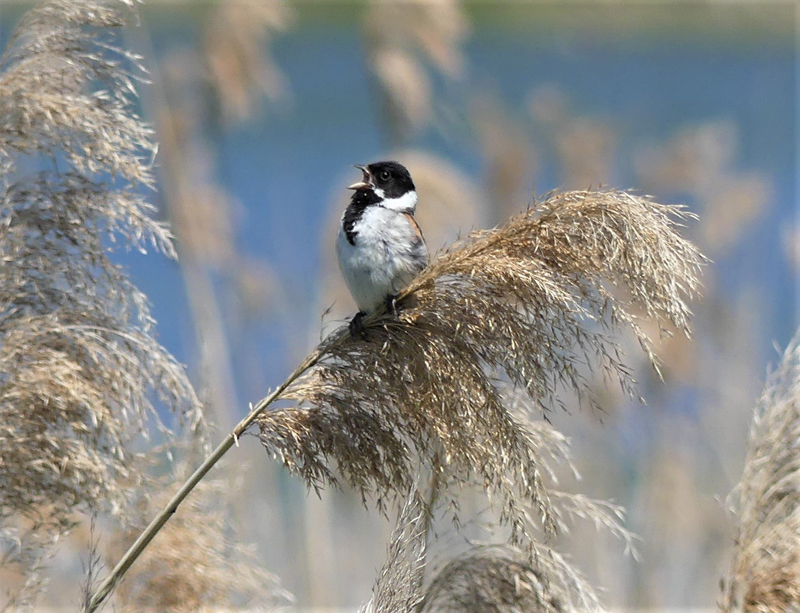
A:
362,198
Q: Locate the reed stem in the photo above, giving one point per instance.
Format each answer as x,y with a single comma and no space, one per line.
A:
141,543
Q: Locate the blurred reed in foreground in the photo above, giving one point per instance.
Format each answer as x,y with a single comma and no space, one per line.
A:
81,369
194,565
399,584
494,579
765,571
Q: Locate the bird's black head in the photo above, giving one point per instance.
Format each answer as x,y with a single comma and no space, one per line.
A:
388,179
392,178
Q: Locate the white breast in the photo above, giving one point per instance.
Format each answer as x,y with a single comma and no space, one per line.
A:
386,256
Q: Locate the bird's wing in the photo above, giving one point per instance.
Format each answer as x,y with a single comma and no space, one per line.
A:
420,244
415,226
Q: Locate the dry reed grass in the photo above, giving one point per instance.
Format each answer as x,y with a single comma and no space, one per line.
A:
494,579
236,37
765,570
528,305
67,89
194,564
701,160
82,372
484,578
401,38
400,582
81,368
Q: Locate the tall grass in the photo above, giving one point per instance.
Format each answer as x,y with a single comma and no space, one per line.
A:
765,569
82,371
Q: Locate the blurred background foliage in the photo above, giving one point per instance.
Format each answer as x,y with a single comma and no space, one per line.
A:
262,106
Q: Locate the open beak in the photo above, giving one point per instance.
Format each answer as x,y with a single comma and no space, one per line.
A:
366,181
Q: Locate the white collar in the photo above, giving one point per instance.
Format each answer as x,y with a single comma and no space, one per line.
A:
407,203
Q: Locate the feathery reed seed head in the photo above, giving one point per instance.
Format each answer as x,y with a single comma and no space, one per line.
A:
66,88
81,369
493,579
402,38
765,570
485,578
193,565
400,582
526,305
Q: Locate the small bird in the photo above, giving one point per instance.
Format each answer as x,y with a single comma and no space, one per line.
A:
380,246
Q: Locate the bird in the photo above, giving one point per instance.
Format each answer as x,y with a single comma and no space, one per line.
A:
380,246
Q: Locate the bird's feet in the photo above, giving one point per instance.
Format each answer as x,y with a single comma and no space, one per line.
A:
357,329
391,304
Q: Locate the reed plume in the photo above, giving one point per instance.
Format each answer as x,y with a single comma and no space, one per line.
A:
765,569
497,579
82,371
522,307
403,40
490,577
527,306
67,89
194,565
236,48
400,582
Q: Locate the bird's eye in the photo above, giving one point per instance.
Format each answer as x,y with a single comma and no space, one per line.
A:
385,175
